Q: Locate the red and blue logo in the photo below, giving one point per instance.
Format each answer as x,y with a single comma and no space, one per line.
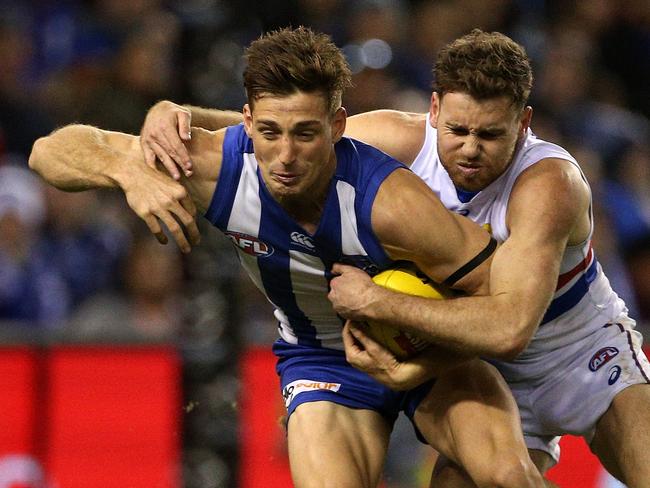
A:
602,357
250,245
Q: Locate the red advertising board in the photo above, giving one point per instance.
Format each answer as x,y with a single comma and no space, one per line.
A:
79,417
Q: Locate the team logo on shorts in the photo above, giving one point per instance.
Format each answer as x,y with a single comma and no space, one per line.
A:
602,356
614,374
296,387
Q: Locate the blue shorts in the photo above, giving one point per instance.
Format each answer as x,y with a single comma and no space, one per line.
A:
310,374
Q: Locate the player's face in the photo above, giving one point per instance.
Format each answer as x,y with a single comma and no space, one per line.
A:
477,138
294,140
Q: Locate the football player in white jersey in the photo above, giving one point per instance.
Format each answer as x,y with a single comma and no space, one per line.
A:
288,172
558,333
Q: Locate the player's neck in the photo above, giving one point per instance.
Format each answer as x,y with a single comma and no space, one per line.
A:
307,208
305,212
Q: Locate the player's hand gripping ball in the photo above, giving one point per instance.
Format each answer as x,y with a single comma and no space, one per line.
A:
412,282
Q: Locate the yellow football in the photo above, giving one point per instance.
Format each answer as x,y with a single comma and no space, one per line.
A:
412,282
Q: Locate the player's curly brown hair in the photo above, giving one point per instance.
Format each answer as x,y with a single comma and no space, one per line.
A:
289,60
484,65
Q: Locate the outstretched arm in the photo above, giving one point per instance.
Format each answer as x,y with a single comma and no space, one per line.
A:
81,157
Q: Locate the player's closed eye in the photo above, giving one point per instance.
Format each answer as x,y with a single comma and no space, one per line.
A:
306,136
268,134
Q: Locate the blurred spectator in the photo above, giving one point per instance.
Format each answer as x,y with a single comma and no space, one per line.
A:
21,120
32,292
148,305
606,241
83,241
625,48
638,260
633,171
141,71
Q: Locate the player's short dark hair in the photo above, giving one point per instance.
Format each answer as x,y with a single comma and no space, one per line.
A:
285,61
484,65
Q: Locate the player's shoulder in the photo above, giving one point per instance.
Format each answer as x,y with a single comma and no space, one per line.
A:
389,116
554,191
399,134
206,144
206,150
396,122
553,174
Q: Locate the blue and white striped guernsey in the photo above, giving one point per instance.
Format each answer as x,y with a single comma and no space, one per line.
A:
288,264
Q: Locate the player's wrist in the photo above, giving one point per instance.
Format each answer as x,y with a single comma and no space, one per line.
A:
379,304
122,173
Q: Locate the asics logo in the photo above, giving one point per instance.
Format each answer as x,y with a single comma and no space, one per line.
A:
303,240
614,374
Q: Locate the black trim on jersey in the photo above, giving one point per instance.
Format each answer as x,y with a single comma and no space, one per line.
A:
475,261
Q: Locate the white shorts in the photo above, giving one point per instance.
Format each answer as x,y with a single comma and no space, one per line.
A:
578,384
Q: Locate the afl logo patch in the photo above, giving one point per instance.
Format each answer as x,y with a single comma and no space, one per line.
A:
250,245
602,356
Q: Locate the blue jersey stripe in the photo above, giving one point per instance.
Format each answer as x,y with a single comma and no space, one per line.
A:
571,298
275,270
233,146
364,210
354,167
328,237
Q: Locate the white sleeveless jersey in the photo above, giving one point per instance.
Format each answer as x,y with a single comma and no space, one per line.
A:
584,300
288,264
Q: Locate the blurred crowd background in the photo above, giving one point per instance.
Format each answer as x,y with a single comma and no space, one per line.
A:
82,268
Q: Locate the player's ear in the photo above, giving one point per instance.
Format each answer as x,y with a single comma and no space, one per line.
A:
434,110
526,116
248,119
339,120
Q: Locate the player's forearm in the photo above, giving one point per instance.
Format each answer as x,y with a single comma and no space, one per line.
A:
213,119
486,326
78,157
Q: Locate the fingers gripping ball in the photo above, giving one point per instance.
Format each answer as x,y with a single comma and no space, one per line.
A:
412,282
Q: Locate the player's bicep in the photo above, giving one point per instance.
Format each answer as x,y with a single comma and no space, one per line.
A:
413,225
541,224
